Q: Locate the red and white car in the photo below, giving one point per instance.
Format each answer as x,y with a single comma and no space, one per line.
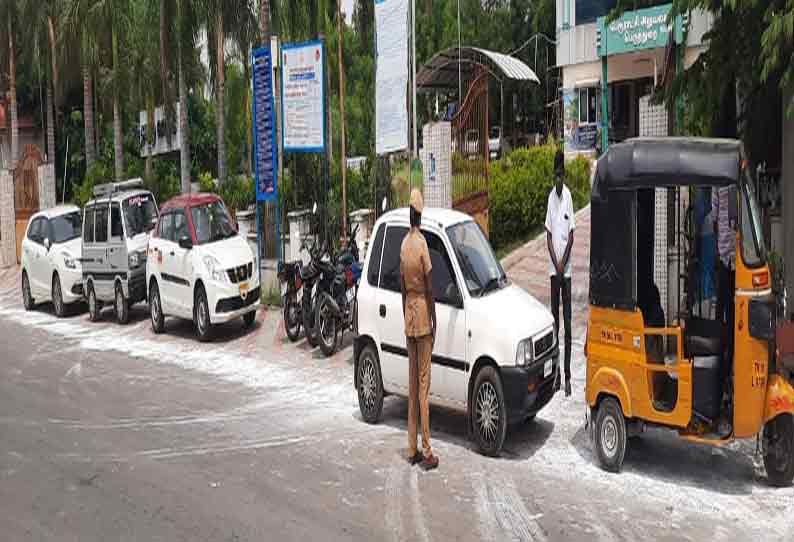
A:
199,267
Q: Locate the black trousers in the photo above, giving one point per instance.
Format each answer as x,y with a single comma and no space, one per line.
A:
565,285
726,287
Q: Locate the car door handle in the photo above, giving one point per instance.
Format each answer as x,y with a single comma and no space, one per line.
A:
383,311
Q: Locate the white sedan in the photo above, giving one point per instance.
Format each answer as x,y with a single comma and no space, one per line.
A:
51,252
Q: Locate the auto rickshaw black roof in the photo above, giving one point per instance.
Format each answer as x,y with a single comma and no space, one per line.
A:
668,162
621,261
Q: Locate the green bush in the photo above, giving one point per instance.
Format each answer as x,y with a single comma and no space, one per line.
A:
519,189
99,173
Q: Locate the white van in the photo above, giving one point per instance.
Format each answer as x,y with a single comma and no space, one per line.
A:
116,228
495,355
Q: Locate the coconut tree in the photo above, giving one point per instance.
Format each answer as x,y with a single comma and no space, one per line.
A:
9,12
83,28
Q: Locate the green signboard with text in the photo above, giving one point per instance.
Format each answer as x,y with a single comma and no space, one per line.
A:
637,30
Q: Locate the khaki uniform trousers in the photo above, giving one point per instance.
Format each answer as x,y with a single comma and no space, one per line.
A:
420,350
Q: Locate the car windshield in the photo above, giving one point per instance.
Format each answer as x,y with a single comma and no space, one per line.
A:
482,272
140,214
212,223
753,246
66,227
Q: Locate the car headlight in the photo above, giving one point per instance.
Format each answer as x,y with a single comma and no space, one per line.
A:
214,269
68,261
524,353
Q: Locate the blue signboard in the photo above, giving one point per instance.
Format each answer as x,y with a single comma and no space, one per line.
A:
265,149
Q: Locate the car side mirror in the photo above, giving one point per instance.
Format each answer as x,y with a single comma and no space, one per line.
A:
185,242
47,244
453,295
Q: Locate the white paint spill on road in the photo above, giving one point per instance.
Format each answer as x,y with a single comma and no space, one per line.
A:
393,497
418,510
75,370
503,514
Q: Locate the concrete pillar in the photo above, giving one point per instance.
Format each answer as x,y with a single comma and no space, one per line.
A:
8,244
787,184
47,196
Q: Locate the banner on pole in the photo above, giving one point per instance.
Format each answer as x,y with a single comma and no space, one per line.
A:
265,149
303,97
391,76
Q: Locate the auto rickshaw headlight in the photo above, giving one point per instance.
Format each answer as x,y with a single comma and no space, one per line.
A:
524,352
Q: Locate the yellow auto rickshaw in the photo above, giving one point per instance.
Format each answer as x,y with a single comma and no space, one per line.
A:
657,355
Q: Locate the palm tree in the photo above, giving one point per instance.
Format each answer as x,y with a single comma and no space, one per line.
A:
264,22
9,12
224,18
114,16
83,27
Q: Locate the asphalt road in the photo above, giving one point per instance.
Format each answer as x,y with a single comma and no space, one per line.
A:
110,433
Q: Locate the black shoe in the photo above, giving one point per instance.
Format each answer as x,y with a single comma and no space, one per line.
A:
557,382
416,458
567,387
429,463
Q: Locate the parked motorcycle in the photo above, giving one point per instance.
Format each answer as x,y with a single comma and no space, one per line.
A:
290,276
337,301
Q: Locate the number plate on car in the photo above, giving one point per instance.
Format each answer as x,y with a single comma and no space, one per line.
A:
243,289
547,367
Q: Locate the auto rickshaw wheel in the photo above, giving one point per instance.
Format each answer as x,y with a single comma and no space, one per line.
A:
610,435
779,450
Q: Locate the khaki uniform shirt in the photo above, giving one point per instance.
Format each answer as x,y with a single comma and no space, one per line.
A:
414,265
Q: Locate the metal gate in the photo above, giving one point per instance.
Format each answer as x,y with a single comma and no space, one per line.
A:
26,190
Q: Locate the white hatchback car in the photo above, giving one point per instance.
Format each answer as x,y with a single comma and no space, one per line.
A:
495,355
51,252
199,267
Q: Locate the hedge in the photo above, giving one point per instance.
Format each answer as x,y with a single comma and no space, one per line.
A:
519,189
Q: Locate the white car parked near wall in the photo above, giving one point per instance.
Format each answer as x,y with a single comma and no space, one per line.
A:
199,267
51,252
495,355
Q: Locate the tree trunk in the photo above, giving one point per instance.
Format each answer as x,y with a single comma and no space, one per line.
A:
50,153
12,90
118,135
88,118
343,156
264,22
55,75
164,63
221,105
248,132
184,144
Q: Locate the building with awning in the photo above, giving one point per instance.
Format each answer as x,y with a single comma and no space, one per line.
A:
611,69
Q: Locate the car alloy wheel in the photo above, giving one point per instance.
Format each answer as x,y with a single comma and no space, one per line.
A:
156,309
370,385
57,297
202,315
27,296
93,304
122,306
487,412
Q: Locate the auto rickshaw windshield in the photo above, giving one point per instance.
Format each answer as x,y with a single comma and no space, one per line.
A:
753,246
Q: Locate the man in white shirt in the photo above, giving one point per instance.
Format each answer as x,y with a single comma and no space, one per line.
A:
560,226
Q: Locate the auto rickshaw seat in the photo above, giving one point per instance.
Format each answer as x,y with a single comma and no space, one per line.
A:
704,338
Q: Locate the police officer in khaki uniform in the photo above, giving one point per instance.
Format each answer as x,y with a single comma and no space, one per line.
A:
419,311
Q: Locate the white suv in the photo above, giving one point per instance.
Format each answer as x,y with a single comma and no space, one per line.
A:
495,355
199,267
51,252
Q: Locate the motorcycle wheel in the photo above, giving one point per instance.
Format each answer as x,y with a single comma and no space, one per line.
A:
307,313
292,320
327,328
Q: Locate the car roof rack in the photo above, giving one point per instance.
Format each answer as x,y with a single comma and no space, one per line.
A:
109,189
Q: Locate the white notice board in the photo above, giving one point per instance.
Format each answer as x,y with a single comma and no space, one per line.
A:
303,92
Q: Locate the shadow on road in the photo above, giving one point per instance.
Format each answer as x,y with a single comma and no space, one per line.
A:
451,426
662,456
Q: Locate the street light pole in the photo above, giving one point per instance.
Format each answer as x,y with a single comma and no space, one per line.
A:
460,76
413,71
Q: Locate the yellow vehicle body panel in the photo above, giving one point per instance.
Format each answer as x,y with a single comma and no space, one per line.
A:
751,356
617,366
779,398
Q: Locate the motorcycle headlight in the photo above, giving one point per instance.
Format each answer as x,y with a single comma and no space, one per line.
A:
214,269
68,261
524,353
